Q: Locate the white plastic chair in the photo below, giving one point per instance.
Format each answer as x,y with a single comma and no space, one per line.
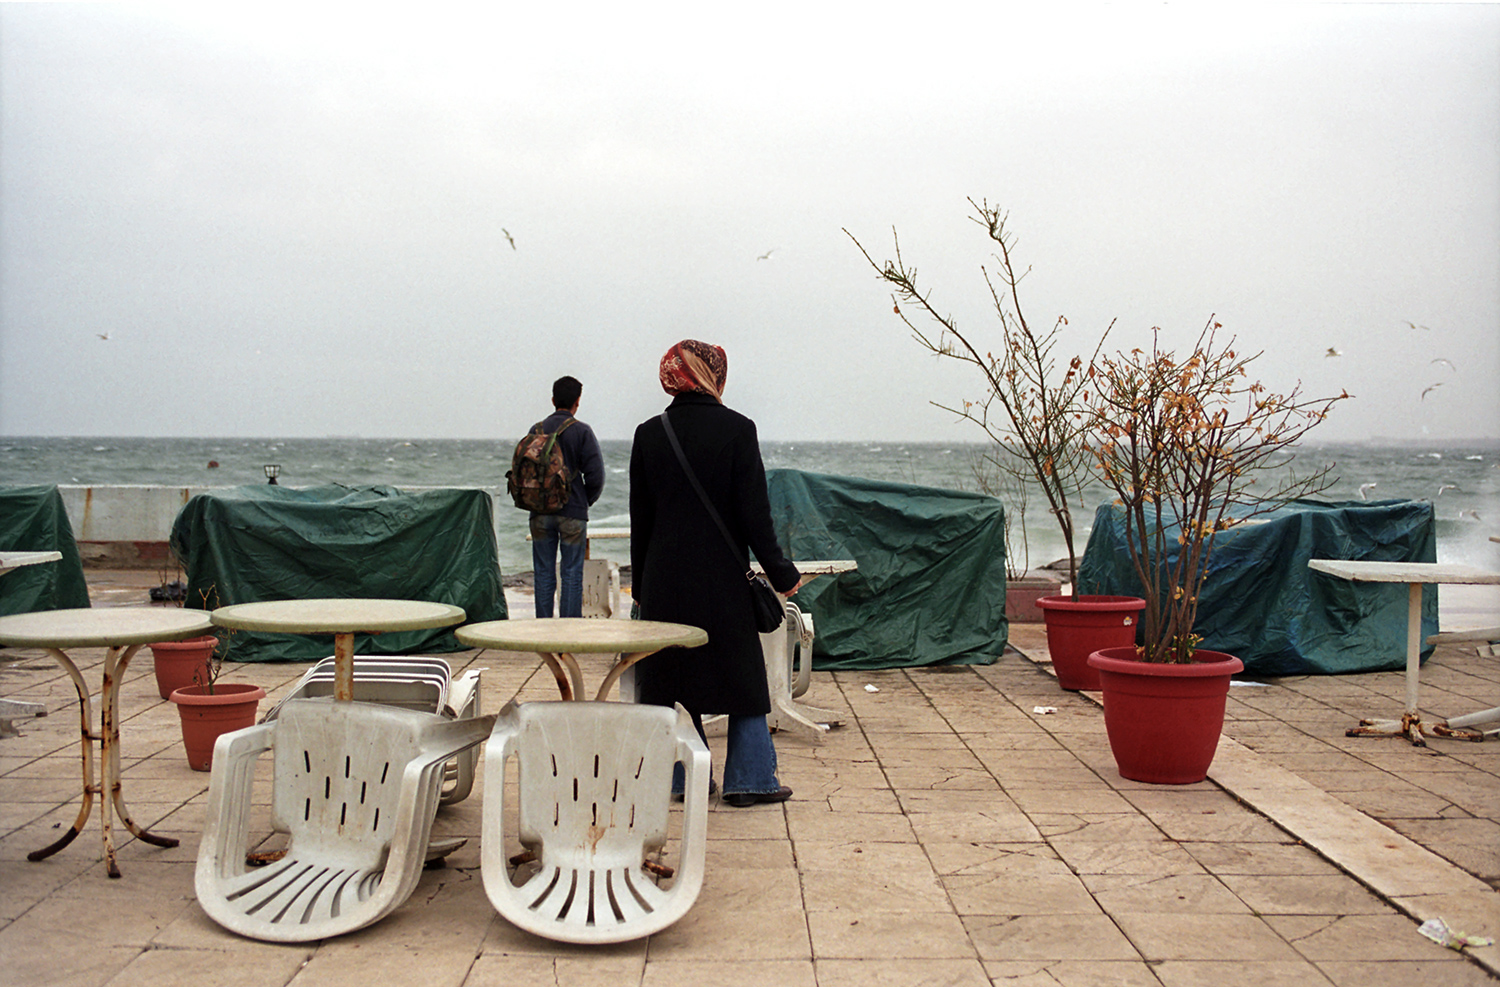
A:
356,786
410,682
595,783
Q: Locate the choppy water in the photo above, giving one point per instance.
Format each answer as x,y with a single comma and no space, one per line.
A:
1468,507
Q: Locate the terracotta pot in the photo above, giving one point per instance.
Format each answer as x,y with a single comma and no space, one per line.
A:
1164,721
1021,596
1078,628
182,663
231,706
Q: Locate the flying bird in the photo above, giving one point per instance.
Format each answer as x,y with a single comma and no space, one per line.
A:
508,238
1430,387
103,335
1472,514
767,254
1441,360
1446,486
1332,352
1415,326
1365,486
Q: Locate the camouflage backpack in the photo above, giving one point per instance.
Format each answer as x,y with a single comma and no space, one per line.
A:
538,480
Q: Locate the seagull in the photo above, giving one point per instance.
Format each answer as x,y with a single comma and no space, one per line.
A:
508,238
767,254
1365,486
103,335
1332,352
1473,514
1441,360
1415,326
1446,486
1431,387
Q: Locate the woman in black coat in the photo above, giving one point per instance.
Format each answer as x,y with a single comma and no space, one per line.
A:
683,570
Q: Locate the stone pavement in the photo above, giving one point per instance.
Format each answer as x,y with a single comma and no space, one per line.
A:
947,834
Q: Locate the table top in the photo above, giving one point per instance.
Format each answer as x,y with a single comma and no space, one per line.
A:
102,627
1403,572
337,616
14,560
817,567
580,635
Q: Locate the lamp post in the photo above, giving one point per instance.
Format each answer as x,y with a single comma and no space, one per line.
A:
273,470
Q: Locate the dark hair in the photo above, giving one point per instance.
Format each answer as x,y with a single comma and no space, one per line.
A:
566,391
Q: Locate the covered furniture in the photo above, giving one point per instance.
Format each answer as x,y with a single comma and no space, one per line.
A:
270,543
1261,602
594,782
33,519
356,787
930,585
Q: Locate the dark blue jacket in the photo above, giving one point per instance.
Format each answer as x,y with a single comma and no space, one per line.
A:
581,452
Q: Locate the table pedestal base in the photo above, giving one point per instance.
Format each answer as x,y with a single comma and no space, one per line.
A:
110,790
1409,726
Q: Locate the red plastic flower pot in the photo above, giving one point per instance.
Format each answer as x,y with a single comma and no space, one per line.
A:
1078,628
205,716
1164,721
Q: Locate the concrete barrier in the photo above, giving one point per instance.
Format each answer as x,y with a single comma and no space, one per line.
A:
124,526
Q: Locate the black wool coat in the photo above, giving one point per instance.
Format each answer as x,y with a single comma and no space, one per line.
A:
683,571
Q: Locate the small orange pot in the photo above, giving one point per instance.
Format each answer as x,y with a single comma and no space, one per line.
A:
206,716
182,663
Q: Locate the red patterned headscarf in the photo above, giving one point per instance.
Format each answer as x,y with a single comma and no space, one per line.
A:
694,366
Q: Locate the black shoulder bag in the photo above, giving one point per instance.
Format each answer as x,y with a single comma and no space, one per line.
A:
767,606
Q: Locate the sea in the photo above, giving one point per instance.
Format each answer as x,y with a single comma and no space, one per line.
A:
1461,480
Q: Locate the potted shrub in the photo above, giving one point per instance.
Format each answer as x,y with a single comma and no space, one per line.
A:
1034,413
1183,444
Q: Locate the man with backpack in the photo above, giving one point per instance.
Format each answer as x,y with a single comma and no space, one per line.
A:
558,490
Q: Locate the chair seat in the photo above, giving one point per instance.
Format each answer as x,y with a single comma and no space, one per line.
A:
594,801
356,787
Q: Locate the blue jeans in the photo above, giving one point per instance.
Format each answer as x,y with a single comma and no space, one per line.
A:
551,534
749,758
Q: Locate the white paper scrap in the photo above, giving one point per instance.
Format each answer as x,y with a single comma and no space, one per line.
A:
871,688
1044,709
1437,930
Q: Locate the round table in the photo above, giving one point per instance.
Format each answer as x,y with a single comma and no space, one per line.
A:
343,618
121,631
558,639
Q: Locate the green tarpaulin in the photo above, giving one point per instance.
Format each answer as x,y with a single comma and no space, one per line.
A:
265,542
1262,604
930,588
33,519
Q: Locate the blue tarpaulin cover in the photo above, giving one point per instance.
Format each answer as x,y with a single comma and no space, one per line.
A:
264,542
930,588
33,519
1262,604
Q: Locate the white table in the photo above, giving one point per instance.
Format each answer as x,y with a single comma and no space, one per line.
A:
121,631
10,561
343,618
558,639
1415,575
786,712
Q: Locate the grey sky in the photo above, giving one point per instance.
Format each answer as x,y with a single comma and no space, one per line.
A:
289,220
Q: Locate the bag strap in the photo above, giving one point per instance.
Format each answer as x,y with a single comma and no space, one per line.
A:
698,487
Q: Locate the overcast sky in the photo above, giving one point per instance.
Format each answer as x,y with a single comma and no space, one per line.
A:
292,221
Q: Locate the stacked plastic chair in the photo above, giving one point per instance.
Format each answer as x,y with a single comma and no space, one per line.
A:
418,683
594,793
356,787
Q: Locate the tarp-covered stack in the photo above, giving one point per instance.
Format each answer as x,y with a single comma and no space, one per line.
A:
33,519
265,542
930,588
1262,604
